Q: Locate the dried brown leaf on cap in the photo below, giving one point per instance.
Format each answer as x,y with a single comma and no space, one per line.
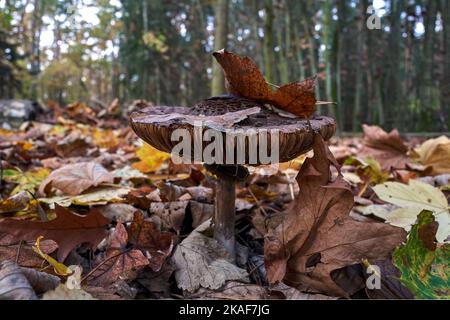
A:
317,235
245,80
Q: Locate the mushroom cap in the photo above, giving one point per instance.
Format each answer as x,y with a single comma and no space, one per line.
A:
155,125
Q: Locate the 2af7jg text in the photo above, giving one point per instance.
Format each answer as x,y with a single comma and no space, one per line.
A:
226,310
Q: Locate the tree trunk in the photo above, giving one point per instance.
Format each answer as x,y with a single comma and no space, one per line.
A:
220,42
269,56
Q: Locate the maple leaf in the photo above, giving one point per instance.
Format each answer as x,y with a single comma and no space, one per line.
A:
156,245
387,148
245,80
317,235
120,261
73,179
68,229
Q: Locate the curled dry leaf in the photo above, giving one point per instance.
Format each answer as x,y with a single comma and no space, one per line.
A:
73,179
435,153
120,262
245,80
68,229
317,235
156,245
387,148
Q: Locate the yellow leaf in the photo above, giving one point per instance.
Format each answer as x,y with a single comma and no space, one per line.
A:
28,180
151,159
104,138
59,268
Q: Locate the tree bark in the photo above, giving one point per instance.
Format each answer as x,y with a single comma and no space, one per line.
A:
220,42
269,56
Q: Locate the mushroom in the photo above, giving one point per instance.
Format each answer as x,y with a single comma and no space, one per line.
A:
228,116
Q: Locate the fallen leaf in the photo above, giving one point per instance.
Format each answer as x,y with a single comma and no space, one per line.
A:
156,245
435,153
68,229
102,196
424,264
151,159
15,203
119,212
245,80
172,214
28,180
59,268
73,179
13,283
120,262
201,261
317,236
64,293
22,252
414,198
387,148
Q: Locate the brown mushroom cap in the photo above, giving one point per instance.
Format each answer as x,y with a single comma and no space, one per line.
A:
295,135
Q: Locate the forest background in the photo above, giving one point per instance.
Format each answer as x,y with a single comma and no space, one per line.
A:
384,62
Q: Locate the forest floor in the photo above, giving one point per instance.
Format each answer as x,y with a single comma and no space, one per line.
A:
88,211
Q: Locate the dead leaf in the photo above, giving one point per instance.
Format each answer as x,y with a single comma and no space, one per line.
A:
73,179
171,213
13,283
68,229
156,245
387,148
64,293
317,235
151,159
15,203
22,252
120,262
435,153
201,261
245,80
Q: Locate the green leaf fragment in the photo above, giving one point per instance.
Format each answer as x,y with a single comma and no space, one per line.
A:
424,264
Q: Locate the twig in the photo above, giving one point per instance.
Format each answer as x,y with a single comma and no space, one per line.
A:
18,251
258,202
42,214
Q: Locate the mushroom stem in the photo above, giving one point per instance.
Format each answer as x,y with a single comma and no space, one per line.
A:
225,215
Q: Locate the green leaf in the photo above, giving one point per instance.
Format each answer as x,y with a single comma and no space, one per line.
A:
423,264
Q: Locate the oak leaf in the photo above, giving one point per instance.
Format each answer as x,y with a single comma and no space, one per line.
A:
318,236
245,80
68,229
120,261
156,245
73,179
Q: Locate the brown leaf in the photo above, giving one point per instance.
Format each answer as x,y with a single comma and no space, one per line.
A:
73,179
68,229
317,235
120,262
245,80
387,148
22,252
156,245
